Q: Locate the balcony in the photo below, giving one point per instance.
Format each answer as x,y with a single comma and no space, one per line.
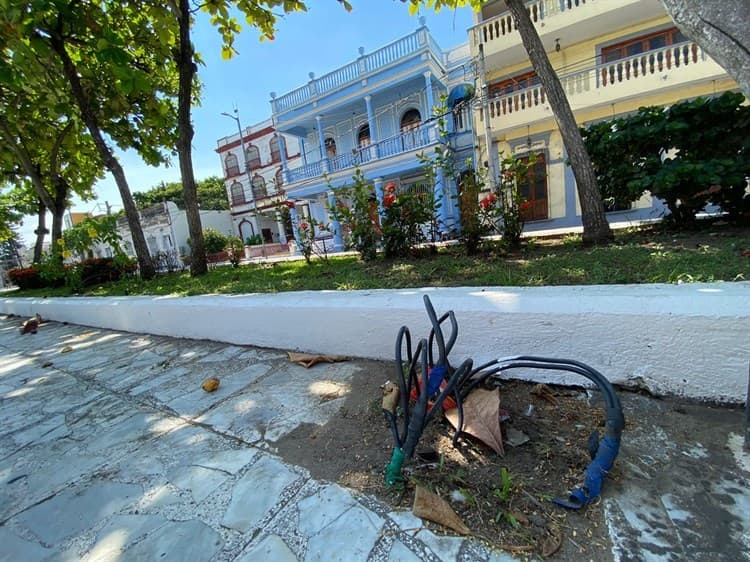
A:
366,65
634,77
405,142
570,21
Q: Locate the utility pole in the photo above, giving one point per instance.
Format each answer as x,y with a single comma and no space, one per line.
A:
236,118
494,176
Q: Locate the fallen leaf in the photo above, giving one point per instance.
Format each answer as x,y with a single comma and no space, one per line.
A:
481,418
209,385
550,544
545,393
307,360
434,508
391,396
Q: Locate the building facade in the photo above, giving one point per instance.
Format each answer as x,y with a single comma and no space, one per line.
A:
377,113
612,57
165,228
255,182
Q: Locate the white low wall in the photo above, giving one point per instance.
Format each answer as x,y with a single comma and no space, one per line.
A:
691,340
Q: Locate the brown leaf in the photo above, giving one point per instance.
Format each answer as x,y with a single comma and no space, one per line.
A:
550,544
209,385
431,506
481,418
391,396
544,392
307,360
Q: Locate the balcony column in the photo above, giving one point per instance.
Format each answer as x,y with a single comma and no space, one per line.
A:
282,155
371,124
378,182
442,196
322,142
280,227
338,239
430,97
302,151
295,230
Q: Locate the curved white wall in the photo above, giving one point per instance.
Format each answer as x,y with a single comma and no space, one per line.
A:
691,340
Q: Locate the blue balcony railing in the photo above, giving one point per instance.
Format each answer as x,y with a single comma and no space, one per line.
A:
405,141
355,70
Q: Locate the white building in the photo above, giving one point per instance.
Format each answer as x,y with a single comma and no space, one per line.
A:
165,228
255,181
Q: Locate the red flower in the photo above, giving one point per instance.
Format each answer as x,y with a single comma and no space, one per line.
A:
303,225
526,205
390,187
389,199
488,201
289,204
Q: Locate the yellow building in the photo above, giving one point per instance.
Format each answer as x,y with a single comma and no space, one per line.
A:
612,57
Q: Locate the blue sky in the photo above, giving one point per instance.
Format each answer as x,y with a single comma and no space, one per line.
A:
320,40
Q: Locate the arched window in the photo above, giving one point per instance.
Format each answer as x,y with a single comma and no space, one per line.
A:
275,150
252,156
259,186
363,136
232,167
411,120
330,147
237,193
279,179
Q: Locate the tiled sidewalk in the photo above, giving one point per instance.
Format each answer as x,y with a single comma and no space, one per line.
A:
110,451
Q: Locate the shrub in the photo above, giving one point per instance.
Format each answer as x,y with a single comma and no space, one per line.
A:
405,217
254,240
214,241
101,270
26,278
358,218
234,250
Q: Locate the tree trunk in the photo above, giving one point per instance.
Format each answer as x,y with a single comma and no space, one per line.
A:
110,162
595,226
58,211
721,28
186,67
41,231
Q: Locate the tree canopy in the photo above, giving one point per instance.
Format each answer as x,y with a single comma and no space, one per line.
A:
212,195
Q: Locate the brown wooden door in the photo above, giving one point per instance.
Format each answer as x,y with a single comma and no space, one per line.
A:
533,188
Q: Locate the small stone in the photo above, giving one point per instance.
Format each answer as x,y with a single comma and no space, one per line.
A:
66,349
515,438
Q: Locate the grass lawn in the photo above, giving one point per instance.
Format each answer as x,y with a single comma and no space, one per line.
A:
645,256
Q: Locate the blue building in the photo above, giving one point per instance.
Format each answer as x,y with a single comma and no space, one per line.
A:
378,113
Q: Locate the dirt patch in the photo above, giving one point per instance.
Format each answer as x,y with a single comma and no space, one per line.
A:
505,500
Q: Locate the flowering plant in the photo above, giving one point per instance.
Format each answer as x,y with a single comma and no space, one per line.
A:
307,230
356,209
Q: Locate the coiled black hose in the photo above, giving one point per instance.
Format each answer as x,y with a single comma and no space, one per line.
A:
461,381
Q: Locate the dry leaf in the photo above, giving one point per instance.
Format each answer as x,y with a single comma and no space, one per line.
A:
391,396
481,418
545,393
550,544
307,360
209,385
434,508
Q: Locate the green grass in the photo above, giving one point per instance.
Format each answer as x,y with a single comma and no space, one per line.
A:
634,257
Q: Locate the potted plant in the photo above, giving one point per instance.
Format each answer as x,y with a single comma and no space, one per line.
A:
250,241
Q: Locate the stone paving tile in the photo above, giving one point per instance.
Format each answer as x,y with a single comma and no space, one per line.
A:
270,548
14,549
75,510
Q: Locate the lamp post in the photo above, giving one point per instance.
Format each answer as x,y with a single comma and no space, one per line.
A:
236,118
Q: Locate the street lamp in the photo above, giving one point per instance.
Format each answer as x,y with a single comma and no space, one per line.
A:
236,118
